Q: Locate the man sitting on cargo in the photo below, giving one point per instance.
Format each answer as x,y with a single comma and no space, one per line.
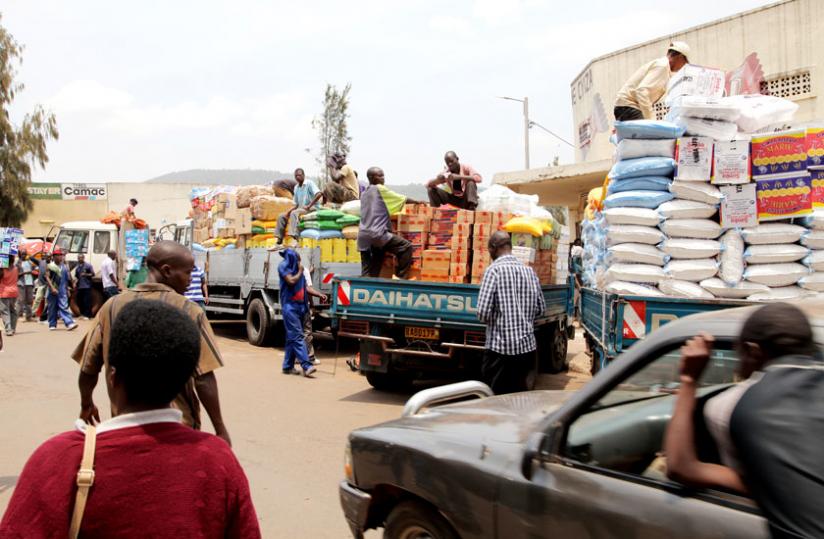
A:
306,195
509,301
648,84
375,237
457,184
767,428
344,185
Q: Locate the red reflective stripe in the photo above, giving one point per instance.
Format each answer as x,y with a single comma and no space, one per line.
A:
635,320
343,293
328,277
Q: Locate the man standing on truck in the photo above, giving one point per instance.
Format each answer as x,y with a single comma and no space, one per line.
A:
509,301
344,185
108,272
170,267
306,196
375,237
457,184
648,84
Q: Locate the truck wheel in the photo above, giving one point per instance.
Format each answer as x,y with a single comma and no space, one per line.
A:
258,323
415,520
558,354
387,381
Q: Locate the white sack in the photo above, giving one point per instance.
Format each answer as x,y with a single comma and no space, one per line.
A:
700,127
637,253
701,229
632,289
773,233
731,269
635,148
781,294
635,273
697,191
692,270
632,216
775,275
686,209
634,234
814,239
758,111
775,254
813,281
683,289
742,290
690,249
815,260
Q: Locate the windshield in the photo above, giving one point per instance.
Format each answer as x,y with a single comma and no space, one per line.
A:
660,378
73,241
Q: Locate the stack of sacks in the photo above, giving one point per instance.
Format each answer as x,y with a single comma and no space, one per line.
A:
323,227
700,116
639,184
773,260
814,240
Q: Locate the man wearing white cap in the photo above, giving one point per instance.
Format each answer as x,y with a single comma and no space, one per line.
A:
649,83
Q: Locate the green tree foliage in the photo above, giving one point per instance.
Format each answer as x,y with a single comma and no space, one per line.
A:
21,147
332,128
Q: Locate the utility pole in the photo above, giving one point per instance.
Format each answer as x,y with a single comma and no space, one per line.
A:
525,102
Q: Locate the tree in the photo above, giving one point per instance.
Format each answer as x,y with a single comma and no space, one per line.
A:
21,147
331,126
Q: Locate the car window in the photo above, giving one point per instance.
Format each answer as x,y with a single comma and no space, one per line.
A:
102,239
73,241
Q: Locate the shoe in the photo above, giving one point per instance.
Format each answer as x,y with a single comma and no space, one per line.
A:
315,361
352,366
72,326
85,318
52,329
309,372
291,371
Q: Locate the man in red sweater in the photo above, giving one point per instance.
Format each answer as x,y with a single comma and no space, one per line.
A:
153,476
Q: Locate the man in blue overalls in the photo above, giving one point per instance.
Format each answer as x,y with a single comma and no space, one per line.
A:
294,302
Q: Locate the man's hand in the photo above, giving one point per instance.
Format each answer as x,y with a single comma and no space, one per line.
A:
323,298
695,355
206,300
89,414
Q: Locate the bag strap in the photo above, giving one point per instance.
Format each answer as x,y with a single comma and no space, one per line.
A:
85,480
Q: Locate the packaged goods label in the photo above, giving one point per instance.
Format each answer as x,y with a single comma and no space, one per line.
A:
739,208
815,146
817,186
693,156
779,153
731,162
696,80
783,198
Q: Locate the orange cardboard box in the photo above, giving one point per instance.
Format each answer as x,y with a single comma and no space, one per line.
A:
446,212
413,223
458,269
460,243
458,279
476,280
460,256
415,238
484,229
500,218
416,263
439,240
483,217
465,217
432,274
414,274
441,226
437,255
462,229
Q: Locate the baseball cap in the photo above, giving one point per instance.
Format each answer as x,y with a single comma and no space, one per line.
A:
681,47
57,251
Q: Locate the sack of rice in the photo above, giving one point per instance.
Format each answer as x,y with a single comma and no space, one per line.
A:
775,254
635,273
686,209
634,234
814,239
742,290
246,193
632,289
697,191
773,233
690,249
683,289
783,293
813,281
632,216
692,270
268,207
775,275
700,229
815,260
731,259
637,253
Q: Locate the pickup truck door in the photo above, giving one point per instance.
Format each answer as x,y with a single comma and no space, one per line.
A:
608,479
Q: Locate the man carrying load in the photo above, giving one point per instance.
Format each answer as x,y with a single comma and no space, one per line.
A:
306,195
648,84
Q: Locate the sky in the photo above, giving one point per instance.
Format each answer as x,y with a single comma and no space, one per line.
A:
145,88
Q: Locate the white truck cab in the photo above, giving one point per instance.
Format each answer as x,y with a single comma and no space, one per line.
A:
91,238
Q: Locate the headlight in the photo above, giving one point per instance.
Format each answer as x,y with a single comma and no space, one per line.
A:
348,467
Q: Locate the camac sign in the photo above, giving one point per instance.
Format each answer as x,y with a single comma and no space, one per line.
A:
68,191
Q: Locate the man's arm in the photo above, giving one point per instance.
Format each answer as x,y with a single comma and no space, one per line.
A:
204,287
318,196
469,175
206,387
540,304
88,411
653,82
486,297
436,181
317,294
679,441
292,280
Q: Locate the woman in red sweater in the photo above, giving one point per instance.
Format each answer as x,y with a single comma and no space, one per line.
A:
153,476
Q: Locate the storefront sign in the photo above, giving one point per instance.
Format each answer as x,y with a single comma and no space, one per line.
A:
738,209
83,191
783,198
45,191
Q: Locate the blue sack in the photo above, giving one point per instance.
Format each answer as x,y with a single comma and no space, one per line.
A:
642,183
637,199
643,166
329,234
312,233
648,129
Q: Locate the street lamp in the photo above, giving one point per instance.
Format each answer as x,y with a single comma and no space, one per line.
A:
525,101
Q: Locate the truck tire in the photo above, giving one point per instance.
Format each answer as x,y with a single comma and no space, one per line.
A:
258,323
416,520
387,381
559,346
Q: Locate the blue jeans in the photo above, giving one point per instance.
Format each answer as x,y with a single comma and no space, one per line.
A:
293,314
58,305
110,291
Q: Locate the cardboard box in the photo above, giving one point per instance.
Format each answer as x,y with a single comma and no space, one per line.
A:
413,223
458,279
199,235
459,269
817,184
460,256
441,226
416,263
525,255
784,197
815,146
414,274
439,240
779,153
462,229
243,222
225,233
500,218
437,255
521,239
731,162
480,244
483,217
693,159
484,229
417,252
444,212
465,217
476,280
428,273
481,257
415,238
460,243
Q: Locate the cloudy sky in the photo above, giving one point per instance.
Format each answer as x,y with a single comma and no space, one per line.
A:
145,88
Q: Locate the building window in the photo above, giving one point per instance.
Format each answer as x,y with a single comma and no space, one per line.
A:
788,85
660,109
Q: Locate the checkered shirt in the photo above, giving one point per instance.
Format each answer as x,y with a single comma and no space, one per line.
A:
509,302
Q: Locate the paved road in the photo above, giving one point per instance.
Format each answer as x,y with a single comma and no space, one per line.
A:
288,431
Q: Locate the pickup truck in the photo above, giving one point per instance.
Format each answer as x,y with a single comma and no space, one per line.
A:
612,322
244,283
419,329
584,463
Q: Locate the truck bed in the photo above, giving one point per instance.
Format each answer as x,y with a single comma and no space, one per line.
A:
614,322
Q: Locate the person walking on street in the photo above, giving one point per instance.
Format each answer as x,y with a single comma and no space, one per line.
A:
457,184
648,84
305,197
25,286
8,297
198,290
153,476
509,301
170,268
108,273
308,337
375,237
59,284
294,301
41,288
83,274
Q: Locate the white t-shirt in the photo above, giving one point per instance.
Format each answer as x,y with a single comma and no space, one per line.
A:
107,269
307,276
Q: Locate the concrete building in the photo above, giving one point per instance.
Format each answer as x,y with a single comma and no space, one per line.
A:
787,37
56,203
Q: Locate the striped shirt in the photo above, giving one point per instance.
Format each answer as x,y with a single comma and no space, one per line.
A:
509,302
92,353
195,290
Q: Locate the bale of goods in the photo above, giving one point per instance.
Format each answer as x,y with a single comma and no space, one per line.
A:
246,193
268,207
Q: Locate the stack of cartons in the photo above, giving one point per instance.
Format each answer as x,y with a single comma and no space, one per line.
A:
435,265
562,251
440,228
227,220
414,228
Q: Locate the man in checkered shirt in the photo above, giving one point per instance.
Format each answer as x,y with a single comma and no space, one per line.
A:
509,302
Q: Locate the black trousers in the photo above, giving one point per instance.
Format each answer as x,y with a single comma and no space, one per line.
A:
372,260
507,374
467,201
84,301
623,114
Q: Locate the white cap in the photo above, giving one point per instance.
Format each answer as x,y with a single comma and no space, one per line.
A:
680,46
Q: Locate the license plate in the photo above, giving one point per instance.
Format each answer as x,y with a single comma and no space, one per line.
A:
430,334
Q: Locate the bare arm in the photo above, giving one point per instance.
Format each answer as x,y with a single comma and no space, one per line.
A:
314,201
206,387
204,287
292,280
317,294
88,411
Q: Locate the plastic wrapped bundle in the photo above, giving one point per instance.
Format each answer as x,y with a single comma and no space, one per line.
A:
742,290
692,270
759,111
268,208
635,148
686,209
683,289
700,229
775,254
711,108
701,127
731,260
246,193
643,166
775,275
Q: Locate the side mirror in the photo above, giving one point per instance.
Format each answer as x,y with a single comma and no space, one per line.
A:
532,450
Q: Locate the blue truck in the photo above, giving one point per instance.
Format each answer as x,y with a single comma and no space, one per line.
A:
612,322
416,329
